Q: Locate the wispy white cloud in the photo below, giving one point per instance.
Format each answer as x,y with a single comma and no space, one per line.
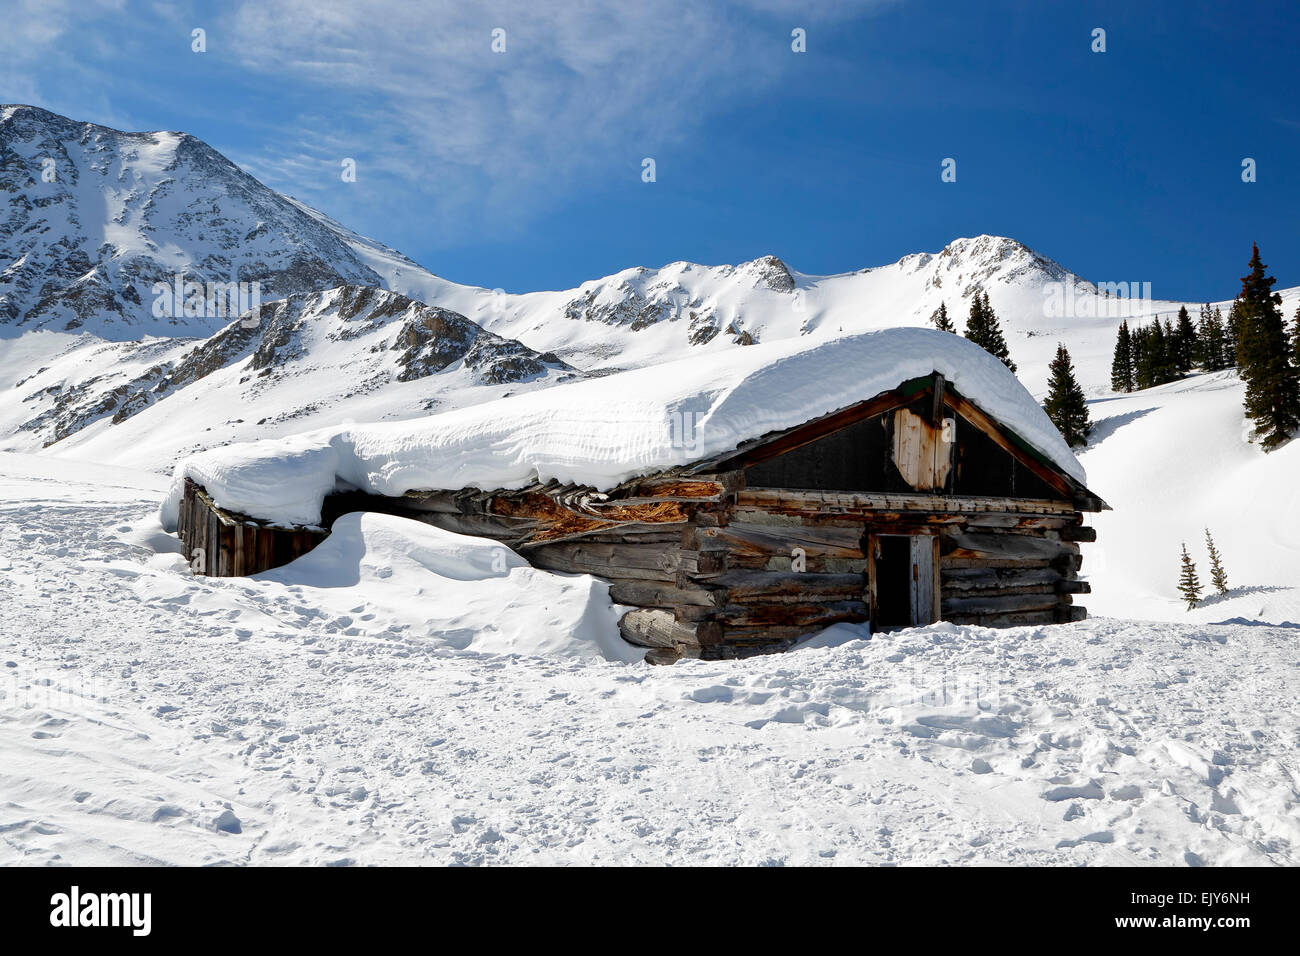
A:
31,28
451,139
416,94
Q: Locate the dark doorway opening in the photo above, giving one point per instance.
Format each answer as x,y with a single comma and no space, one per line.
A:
893,563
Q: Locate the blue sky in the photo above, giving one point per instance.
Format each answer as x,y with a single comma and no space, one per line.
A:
522,169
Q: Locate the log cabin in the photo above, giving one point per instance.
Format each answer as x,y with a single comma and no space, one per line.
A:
908,506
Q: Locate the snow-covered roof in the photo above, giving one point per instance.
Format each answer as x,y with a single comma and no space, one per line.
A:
605,431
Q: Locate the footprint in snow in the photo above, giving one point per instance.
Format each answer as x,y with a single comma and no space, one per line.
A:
710,695
1088,791
1102,836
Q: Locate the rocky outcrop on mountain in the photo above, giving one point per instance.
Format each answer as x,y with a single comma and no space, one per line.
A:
65,407
771,273
356,338
639,298
628,302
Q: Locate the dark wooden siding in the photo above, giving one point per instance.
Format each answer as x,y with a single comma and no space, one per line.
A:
858,458
223,544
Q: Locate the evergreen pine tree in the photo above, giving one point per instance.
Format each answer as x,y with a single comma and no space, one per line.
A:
1170,365
1065,405
941,320
1143,363
1218,576
1227,345
983,329
1203,347
1231,333
1211,344
1295,339
1159,345
1264,359
1188,583
1185,351
976,327
1121,366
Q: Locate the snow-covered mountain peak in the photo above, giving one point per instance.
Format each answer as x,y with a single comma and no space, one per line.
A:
97,218
984,260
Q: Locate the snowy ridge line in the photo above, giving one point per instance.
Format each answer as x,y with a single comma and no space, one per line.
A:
606,431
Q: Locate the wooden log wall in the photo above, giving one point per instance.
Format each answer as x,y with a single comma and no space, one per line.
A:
755,569
713,569
223,544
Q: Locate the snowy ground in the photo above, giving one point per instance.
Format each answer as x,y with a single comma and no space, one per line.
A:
140,704
1172,461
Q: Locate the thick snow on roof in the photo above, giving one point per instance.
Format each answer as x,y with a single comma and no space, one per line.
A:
604,431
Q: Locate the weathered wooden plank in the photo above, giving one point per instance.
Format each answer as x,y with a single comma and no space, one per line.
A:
1013,619
448,502
764,634
768,587
920,454
1068,564
925,594
657,594
635,534
811,616
619,559
764,517
980,545
956,580
610,575
1004,604
947,563
902,522
742,538
234,545
1002,521
810,564
820,502
656,627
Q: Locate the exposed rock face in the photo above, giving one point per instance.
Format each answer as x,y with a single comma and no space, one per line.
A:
770,272
639,298
94,217
628,303
68,407
433,338
360,337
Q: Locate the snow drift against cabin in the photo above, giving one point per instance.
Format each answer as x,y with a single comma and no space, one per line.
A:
603,432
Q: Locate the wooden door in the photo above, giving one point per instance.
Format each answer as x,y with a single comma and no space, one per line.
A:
925,579
903,580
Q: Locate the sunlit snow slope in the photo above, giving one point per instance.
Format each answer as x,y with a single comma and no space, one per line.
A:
1173,461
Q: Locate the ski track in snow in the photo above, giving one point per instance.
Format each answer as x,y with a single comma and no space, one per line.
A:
140,704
